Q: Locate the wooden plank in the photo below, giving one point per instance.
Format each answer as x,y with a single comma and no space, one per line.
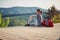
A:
30,33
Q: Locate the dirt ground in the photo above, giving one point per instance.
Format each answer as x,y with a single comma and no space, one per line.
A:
30,33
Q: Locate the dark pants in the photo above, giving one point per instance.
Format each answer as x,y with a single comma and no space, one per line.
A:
33,25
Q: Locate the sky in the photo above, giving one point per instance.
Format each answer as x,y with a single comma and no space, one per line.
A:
45,4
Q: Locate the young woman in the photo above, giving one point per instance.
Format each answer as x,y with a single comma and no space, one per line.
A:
35,20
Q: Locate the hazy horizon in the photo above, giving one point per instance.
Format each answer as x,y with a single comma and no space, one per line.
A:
45,4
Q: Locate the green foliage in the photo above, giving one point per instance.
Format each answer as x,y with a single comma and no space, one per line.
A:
54,14
56,18
23,22
3,21
17,21
0,19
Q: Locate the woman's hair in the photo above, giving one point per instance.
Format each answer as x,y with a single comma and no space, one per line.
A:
39,10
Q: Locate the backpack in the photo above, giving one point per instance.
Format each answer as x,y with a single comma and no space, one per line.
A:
47,23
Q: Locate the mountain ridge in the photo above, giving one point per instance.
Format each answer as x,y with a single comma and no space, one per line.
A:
20,10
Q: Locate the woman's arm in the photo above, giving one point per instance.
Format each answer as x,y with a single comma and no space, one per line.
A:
30,18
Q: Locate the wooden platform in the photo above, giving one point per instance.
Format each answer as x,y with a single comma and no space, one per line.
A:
30,33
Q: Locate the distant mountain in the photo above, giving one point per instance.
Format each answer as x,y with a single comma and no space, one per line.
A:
16,11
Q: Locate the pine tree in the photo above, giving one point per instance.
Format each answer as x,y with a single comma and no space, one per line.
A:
54,14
